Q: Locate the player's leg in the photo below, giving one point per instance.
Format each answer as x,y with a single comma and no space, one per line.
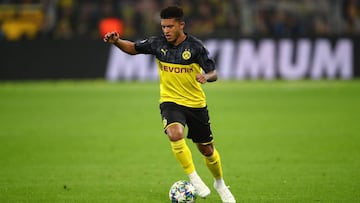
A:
213,162
200,132
182,153
179,147
211,158
174,122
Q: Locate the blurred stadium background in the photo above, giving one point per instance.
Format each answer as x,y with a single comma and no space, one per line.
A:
29,29
69,19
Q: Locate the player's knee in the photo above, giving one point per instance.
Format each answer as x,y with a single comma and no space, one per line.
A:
206,150
175,137
175,132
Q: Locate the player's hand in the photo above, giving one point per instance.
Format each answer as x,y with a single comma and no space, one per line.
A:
111,37
201,78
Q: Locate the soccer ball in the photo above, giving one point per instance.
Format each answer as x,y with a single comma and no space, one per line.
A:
182,191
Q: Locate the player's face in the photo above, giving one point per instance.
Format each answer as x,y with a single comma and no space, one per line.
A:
172,29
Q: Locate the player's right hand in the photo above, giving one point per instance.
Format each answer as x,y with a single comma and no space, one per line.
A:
111,37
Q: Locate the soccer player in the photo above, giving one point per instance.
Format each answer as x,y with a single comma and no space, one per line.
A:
183,65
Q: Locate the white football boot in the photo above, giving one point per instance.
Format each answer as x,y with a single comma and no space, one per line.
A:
224,192
201,188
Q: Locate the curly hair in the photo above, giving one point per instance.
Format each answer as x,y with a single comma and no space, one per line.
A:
172,12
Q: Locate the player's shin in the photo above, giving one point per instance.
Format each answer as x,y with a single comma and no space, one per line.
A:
183,155
213,163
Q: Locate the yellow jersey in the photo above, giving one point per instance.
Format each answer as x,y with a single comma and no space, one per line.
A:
178,67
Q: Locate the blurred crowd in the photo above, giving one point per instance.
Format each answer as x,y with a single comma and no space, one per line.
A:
303,17
88,19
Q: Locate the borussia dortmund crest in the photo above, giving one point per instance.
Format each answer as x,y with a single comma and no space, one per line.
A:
186,55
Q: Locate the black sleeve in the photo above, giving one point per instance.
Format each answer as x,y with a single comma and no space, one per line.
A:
145,46
206,63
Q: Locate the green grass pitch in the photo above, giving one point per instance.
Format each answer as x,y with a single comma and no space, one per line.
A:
93,141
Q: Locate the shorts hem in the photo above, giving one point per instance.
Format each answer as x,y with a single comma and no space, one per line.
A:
171,124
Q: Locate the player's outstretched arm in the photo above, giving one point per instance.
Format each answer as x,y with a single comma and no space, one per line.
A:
124,45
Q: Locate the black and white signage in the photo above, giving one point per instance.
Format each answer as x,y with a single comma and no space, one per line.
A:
250,59
241,59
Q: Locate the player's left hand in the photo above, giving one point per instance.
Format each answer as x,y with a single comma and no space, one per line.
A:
201,78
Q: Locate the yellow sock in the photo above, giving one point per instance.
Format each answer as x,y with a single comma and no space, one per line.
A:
214,164
183,155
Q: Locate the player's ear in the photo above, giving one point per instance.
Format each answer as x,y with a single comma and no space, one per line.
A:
182,24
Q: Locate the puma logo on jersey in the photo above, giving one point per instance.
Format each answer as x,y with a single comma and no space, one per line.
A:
164,51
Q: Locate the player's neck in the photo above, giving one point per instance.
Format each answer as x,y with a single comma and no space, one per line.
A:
180,39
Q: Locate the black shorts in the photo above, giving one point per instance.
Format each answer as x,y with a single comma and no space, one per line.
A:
196,119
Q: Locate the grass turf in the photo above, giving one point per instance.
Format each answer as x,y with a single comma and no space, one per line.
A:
93,141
